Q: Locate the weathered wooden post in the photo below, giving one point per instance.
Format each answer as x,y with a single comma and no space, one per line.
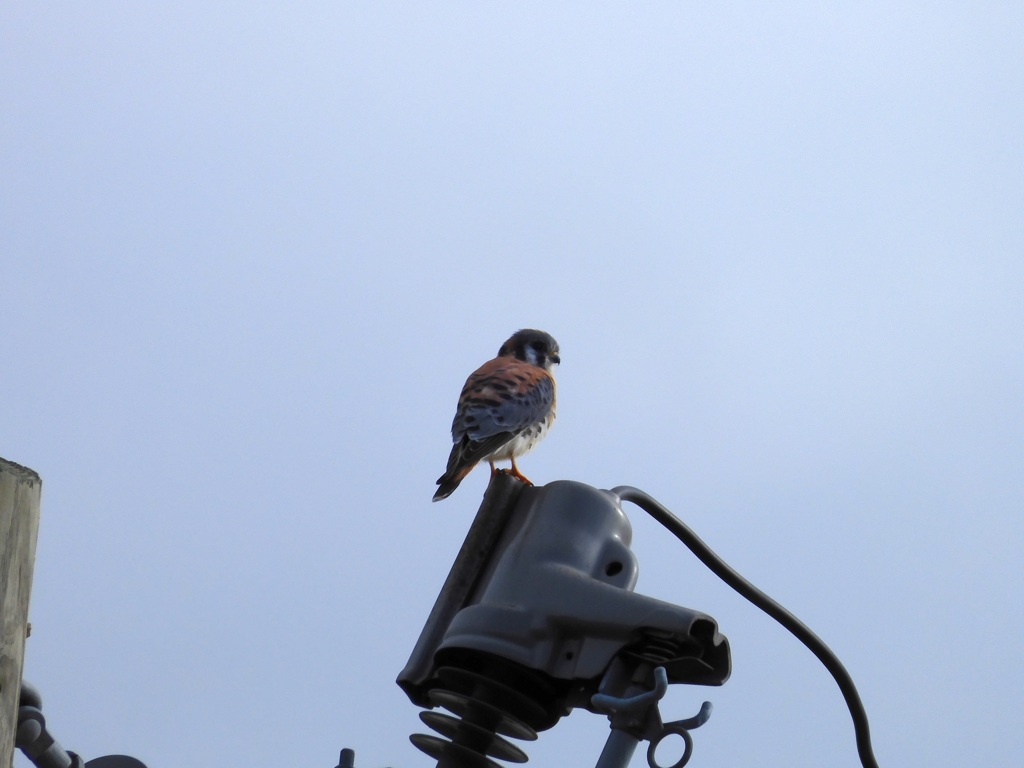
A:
19,523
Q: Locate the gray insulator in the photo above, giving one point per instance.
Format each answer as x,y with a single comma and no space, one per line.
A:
557,595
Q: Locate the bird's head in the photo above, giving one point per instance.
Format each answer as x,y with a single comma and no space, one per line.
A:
534,347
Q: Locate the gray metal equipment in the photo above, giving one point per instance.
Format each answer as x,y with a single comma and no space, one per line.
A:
537,617
38,744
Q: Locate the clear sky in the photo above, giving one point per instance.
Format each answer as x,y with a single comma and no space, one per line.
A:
249,253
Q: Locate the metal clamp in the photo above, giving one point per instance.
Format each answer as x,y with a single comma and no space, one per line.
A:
635,718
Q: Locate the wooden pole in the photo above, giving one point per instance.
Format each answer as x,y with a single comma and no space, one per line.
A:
19,524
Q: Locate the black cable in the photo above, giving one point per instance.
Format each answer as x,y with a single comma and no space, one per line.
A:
802,632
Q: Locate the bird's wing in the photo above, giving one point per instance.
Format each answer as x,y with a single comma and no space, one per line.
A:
502,397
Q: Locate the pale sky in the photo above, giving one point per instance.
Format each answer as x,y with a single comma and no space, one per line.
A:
250,253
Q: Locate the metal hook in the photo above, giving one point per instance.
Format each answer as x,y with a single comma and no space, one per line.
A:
614,704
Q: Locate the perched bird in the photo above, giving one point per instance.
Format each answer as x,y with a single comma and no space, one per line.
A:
505,409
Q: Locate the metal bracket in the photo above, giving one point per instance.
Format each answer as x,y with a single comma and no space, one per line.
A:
637,717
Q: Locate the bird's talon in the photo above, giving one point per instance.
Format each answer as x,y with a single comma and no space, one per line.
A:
518,476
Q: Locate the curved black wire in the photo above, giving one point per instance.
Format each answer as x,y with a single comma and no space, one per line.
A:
802,632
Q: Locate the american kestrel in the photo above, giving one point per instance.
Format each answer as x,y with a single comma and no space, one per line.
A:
505,409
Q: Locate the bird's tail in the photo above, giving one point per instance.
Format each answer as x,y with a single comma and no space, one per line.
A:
449,481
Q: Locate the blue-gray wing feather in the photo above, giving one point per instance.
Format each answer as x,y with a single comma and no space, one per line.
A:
487,416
